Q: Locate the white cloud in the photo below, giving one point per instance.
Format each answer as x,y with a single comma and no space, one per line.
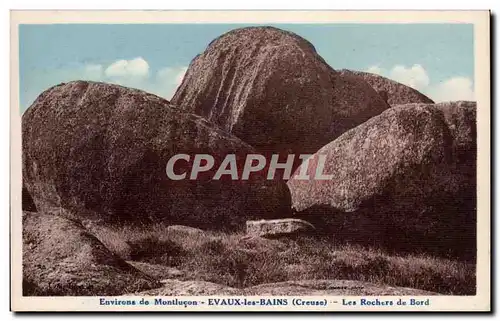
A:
136,73
456,88
135,68
415,77
451,89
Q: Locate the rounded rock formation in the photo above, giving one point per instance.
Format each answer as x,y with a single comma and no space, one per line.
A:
101,150
61,258
393,92
405,179
270,88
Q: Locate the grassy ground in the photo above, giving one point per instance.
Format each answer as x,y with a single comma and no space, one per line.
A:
236,261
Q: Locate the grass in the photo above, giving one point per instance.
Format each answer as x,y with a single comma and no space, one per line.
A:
233,260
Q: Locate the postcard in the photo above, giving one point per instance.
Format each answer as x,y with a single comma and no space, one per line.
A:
322,161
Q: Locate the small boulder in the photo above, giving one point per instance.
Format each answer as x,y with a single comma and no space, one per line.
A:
60,258
278,227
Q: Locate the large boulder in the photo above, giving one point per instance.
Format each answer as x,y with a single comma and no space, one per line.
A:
460,116
101,151
392,91
405,179
270,88
61,258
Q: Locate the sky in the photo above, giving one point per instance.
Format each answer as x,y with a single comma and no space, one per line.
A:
436,59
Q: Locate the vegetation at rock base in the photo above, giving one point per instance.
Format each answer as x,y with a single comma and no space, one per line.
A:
238,261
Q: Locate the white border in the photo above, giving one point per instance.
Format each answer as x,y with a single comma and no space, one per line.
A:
480,19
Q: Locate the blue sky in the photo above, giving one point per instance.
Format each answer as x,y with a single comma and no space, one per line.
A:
436,59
